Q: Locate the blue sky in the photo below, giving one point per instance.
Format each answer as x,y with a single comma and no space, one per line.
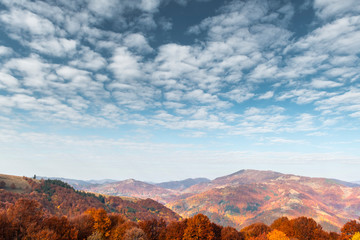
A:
168,89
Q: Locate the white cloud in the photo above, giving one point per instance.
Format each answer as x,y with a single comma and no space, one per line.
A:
104,8
22,20
335,8
303,96
8,82
200,97
342,102
138,42
59,47
321,83
89,59
267,95
149,5
238,95
125,65
340,36
70,72
349,60
32,69
5,51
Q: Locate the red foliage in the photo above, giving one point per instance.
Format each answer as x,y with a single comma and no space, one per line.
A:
61,227
230,233
175,230
307,229
349,229
153,229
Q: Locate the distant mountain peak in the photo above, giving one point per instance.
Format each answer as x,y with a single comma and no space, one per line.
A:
129,181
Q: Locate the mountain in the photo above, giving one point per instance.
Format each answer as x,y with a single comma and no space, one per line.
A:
133,188
59,198
80,184
250,196
181,185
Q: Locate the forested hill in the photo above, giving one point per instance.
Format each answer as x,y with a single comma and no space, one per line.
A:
53,210
59,198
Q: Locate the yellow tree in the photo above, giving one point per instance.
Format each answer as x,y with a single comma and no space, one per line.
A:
356,236
277,235
102,222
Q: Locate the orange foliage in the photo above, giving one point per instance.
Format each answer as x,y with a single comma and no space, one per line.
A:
283,224
119,231
277,235
102,222
199,228
255,230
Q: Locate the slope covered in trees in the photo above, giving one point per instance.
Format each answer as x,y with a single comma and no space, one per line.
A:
60,199
51,209
250,196
27,219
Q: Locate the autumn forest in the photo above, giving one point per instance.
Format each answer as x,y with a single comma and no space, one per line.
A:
51,209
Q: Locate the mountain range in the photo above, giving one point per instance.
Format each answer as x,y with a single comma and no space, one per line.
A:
249,196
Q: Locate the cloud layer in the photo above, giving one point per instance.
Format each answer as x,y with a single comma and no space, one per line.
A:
247,72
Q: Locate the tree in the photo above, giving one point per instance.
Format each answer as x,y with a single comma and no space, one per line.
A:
230,233
26,216
84,224
255,230
199,228
216,229
307,229
349,229
2,185
135,234
6,229
356,236
60,226
175,230
44,234
277,235
283,224
119,231
96,236
102,222
153,228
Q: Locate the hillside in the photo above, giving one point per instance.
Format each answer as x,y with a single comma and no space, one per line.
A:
252,196
249,196
59,198
182,185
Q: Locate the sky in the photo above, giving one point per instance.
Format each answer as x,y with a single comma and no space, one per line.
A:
160,90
